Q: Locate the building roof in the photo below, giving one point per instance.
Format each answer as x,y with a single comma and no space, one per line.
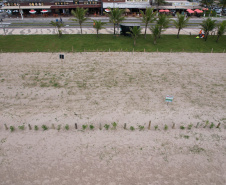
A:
127,5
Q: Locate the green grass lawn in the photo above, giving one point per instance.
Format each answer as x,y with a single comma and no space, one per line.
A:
52,43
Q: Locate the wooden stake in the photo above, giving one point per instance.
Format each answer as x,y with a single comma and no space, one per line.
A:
6,127
218,126
72,49
212,50
133,50
100,126
157,50
171,51
149,126
109,50
124,126
173,127
224,51
53,127
29,127
76,126
144,49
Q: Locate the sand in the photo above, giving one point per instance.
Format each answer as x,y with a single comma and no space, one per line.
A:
102,88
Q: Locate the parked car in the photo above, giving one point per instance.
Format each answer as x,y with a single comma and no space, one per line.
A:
173,12
218,11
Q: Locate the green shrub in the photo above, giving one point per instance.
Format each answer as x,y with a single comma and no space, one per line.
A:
84,127
106,126
182,127
44,127
91,127
21,127
190,126
206,124
66,127
141,127
156,127
58,127
186,136
12,128
166,127
114,125
36,127
212,125
132,128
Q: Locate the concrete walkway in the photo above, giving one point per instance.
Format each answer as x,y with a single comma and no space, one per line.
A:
50,31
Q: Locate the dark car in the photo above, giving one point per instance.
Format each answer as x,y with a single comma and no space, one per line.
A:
173,12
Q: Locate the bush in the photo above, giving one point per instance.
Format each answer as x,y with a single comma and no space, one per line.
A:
106,126
66,127
12,128
21,127
58,127
44,127
182,127
84,127
132,128
91,127
166,127
114,125
141,127
36,127
156,127
190,126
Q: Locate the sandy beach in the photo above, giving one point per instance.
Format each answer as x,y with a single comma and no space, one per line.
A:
102,88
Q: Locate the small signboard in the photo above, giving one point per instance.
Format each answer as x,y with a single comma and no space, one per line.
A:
61,56
169,98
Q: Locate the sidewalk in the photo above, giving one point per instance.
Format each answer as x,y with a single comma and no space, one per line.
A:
51,31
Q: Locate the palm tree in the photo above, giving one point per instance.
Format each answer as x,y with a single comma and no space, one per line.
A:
58,26
207,2
115,16
223,3
221,29
80,16
207,26
98,25
134,32
148,17
163,23
180,23
159,3
155,31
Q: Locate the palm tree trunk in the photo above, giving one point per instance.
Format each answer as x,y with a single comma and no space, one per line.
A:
218,38
134,42
97,32
178,33
114,28
160,31
207,33
145,31
155,40
81,28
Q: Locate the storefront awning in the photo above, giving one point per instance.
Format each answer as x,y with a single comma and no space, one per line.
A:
24,7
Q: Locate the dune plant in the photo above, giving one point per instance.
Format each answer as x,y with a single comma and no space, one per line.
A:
44,127
190,126
12,128
212,125
66,127
106,126
166,127
141,127
156,127
58,127
182,127
114,124
132,128
36,127
21,127
84,127
206,124
6,127
91,127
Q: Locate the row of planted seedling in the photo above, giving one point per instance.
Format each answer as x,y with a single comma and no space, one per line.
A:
114,126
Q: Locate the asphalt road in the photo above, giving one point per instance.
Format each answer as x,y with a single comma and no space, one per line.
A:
45,22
